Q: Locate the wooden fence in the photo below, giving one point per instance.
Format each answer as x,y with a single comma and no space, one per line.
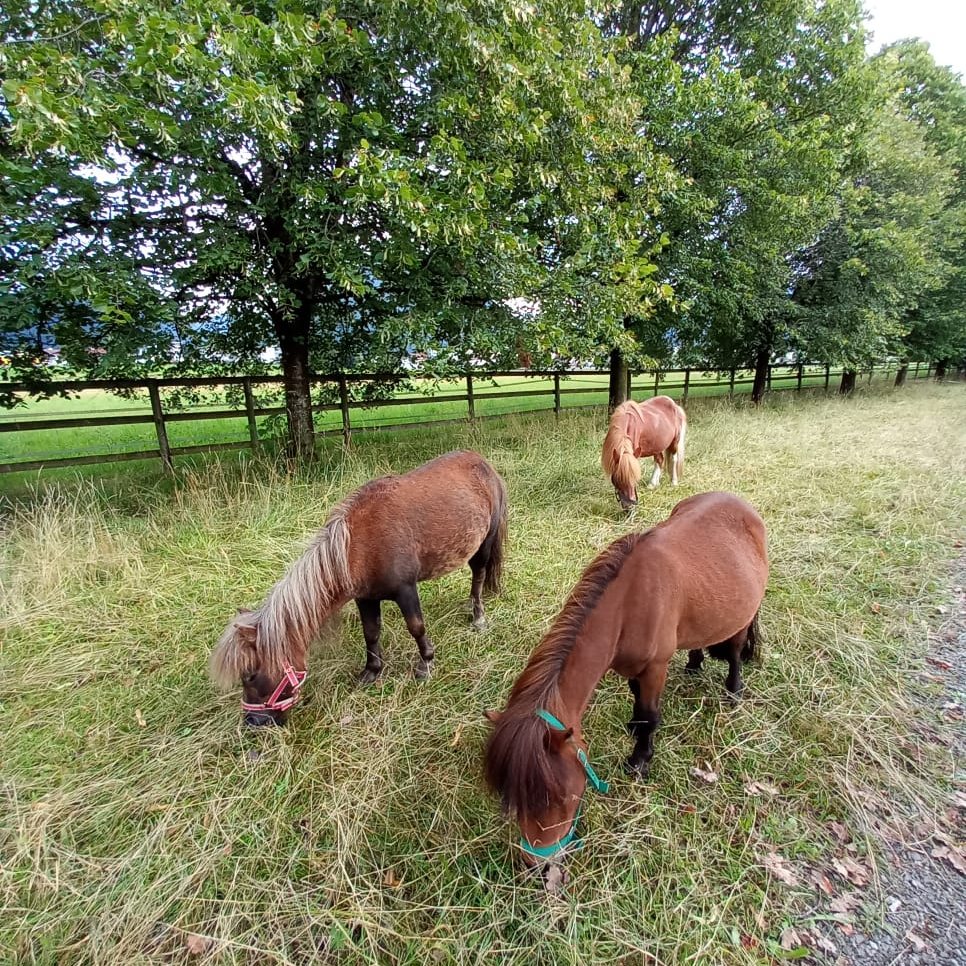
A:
680,382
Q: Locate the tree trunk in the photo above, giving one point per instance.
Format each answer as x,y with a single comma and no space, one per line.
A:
848,382
618,379
293,339
758,390
941,369
901,374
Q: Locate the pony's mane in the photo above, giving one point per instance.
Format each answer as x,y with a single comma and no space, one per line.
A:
518,766
617,457
294,610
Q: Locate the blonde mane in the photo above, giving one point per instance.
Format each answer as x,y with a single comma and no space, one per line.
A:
313,588
617,457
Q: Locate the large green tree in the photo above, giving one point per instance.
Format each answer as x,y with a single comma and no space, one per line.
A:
755,103
200,183
884,258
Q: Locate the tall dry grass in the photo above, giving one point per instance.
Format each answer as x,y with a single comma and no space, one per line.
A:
141,824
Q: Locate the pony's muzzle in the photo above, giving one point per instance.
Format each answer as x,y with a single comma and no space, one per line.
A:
262,719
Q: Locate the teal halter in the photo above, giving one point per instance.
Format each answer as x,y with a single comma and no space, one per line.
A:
546,851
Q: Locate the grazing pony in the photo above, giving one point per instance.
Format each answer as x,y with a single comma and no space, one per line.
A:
376,545
657,428
694,581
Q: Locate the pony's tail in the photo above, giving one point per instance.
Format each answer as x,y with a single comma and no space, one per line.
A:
750,651
618,460
493,574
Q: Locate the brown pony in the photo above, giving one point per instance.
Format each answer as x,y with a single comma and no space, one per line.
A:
694,581
656,427
376,545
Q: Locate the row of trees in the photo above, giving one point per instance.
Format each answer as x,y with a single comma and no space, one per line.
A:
200,185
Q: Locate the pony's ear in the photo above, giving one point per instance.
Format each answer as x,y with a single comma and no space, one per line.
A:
555,740
492,716
246,632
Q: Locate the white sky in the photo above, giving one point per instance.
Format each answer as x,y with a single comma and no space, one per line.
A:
941,23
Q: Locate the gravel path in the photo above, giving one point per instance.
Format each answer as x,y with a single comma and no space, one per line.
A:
921,914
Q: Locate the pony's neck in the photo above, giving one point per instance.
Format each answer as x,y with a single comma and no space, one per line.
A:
589,660
316,587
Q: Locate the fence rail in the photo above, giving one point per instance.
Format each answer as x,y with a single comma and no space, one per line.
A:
689,381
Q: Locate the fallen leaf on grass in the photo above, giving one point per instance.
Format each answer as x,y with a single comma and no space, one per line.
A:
821,881
197,945
893,904
846,928
846,903
391,880
760,788
875,607
555,880
935,662
815,938
345,720
456,736
707,773
916,940
790,939
839,831
952,855
851,870
139,717
780,868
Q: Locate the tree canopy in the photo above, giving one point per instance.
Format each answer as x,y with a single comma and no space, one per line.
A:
218,186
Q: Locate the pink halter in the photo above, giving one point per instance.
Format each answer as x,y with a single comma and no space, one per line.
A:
292,679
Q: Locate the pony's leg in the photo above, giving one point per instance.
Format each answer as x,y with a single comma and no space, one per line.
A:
408,601
478,564
371,613
695,660
730,651
675,458
658,468
647,689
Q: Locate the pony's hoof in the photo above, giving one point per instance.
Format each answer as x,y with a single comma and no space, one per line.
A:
424,670
479,624
368,676
637,770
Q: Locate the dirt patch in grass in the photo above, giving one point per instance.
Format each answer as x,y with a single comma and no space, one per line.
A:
140,823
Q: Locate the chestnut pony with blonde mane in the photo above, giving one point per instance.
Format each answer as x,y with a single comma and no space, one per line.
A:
657,428
376,545
694,581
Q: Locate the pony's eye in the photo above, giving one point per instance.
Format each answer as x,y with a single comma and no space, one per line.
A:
248,677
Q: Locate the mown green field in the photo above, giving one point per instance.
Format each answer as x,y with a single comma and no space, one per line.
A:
139,822
30,445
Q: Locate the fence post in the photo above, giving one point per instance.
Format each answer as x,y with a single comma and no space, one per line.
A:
801,371
630,377
657,381
158,413
828,370
731,384
768,377
470,402
556,394
687,383
344,405
250,412
871,371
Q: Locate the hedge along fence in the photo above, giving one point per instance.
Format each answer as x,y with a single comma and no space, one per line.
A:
563,383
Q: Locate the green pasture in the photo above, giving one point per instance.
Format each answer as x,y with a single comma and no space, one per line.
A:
140,823
29,445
